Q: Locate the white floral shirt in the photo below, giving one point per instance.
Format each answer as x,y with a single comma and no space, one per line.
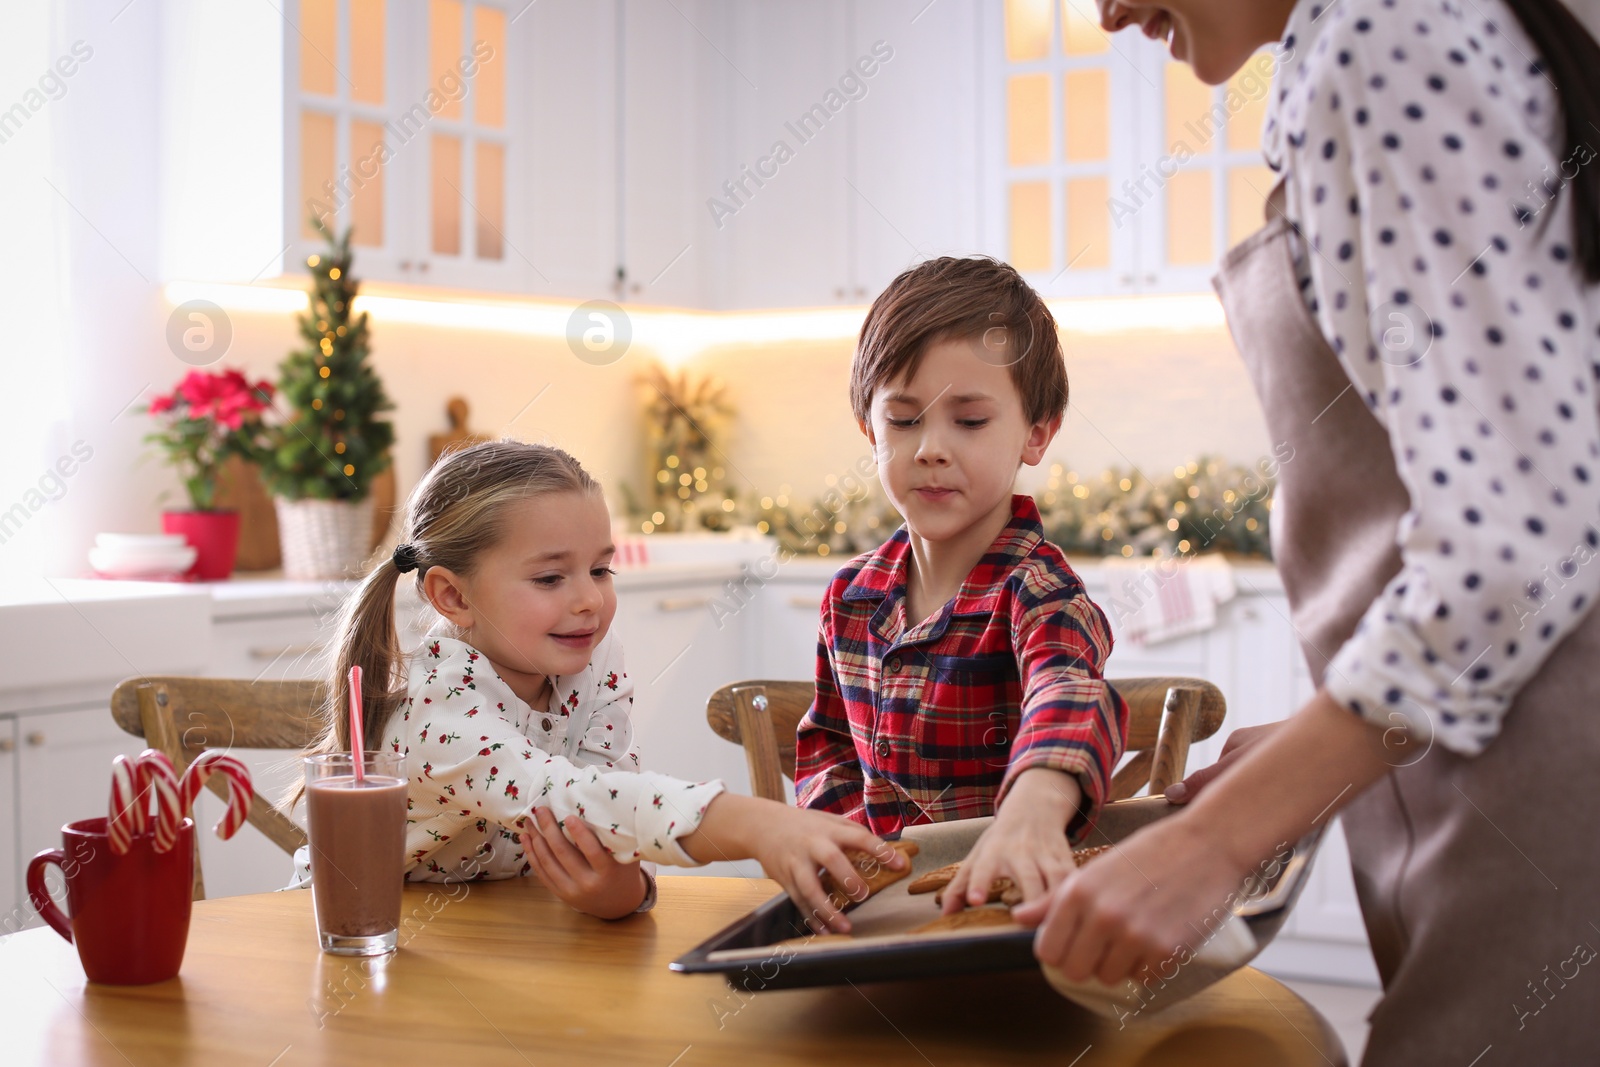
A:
1424,164
480,761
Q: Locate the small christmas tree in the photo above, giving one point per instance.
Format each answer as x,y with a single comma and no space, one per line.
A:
332,444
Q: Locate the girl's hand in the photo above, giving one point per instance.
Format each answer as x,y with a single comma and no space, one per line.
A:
581,871
791,844
1145,903
1026,843
1238,741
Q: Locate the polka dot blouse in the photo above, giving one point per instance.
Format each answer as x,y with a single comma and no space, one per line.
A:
1424,159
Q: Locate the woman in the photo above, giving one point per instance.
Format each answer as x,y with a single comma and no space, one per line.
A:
1420,319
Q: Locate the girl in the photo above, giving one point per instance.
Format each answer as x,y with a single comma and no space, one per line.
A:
513,716
1420,317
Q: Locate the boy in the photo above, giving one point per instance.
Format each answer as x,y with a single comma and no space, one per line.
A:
959,665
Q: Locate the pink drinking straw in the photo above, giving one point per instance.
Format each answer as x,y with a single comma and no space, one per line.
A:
357,747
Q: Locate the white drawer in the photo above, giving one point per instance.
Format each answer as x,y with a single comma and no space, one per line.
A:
272,648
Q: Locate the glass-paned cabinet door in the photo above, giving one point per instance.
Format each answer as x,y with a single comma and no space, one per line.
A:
400,124
1207,184
342,81
468,146
1064,95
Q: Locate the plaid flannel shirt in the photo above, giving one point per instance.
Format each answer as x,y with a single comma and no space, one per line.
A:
934,723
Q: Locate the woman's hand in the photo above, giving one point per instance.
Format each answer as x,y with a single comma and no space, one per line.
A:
1238,741
1027,841
1166,888
581,871
1146,902
791,844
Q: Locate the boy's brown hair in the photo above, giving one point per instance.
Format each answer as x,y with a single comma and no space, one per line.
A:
961,298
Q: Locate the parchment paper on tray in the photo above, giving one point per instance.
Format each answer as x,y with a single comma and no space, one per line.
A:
771,948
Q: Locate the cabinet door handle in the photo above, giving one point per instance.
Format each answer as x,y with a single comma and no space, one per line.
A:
1127,280
285,650
422,265
1149,279
812,602
34,738
7,745
683,603
405,264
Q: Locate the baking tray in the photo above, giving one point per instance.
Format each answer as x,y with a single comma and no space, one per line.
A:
879,948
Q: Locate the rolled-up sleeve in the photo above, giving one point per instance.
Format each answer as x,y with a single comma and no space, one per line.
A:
1072,720
1452,297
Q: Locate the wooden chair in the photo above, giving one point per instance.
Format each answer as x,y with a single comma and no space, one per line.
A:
1165,716
184,716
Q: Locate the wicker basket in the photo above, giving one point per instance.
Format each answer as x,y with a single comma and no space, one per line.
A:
324,539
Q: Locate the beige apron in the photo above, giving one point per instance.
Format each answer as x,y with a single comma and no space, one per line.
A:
1479,878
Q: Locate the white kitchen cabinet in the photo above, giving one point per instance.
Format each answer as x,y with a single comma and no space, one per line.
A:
679,651
62,775
668,120
573,197
678,654
790,608
785,202
914,168
12,892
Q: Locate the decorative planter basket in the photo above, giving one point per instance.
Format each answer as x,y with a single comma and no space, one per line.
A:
324,539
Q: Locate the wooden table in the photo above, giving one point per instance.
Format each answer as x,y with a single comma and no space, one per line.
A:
503,973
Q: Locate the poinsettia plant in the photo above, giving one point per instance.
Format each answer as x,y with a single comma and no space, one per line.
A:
208,417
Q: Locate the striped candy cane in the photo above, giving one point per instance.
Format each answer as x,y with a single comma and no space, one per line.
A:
156,774
240,790
126,816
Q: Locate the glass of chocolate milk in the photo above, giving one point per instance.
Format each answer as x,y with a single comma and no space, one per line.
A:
358,847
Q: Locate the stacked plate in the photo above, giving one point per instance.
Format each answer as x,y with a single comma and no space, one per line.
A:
147,556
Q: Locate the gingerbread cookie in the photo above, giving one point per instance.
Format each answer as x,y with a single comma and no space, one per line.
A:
963,920
933,880
1002,890
873,871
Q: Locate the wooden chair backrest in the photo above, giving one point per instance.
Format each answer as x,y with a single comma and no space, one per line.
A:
183,716
1165,716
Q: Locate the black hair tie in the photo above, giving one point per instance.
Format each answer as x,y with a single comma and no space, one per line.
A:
405,557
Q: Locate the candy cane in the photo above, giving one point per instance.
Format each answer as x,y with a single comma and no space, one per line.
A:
126,816
156,774
240,790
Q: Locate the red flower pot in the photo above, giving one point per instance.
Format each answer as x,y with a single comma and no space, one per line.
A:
215,537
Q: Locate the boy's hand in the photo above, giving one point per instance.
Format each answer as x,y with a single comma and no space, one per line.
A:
581,871
791,844
1027,842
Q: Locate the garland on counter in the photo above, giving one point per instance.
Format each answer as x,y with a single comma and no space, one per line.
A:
1206,505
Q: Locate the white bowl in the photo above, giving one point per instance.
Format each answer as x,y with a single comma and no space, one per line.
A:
119,542
164,556
142,565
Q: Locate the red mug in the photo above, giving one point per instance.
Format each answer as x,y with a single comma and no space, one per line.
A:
130,913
